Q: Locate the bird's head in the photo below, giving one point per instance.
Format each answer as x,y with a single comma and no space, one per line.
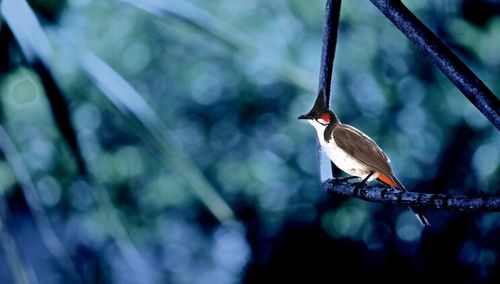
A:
320,119
320,116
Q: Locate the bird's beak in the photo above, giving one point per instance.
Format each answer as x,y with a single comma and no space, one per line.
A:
305,116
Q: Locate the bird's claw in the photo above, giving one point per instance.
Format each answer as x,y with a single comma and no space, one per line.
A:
359,185
337,181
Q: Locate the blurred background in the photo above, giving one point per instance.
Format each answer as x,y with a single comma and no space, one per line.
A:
198,170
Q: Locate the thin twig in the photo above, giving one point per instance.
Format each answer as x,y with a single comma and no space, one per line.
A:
382,194
451,66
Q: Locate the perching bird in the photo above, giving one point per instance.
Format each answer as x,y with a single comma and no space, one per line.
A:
354,152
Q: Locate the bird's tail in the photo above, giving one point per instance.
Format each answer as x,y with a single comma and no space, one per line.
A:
417,211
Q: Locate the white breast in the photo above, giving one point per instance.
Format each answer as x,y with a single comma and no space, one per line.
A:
340,158
346,162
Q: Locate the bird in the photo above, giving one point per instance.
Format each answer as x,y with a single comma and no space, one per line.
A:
354,152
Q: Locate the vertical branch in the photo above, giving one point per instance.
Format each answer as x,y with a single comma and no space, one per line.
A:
330,31
451,66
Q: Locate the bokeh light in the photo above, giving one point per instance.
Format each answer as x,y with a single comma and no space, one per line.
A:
166,95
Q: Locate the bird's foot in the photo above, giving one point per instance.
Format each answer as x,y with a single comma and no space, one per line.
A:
342,180
358,186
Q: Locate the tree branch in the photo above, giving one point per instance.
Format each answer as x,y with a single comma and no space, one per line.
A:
463,78
451,66
330,31
382,194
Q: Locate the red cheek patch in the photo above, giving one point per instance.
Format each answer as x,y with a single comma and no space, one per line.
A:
325,117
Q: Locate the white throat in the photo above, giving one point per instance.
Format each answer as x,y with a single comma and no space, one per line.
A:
320,129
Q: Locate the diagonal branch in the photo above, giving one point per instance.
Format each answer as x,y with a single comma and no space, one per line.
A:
451,66
381,194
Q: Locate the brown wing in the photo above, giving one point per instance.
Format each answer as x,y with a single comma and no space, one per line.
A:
361,147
